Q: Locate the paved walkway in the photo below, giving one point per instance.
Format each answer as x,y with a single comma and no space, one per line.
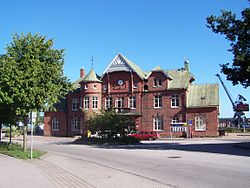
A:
16,173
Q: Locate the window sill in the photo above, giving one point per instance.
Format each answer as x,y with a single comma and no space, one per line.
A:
175,106
200,130
157,107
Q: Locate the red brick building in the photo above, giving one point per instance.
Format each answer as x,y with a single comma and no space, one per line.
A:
162,100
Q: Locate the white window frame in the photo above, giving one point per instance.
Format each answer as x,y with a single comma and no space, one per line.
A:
75,104
157,101
157,82
175,101
200,123
94,86
176,119
108,102
55,124
94,102
132,102
158,123
119,100
86,103
75,124
86,87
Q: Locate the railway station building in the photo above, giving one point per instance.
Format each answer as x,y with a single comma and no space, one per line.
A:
167,101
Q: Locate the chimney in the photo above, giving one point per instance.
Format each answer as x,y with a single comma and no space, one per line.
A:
186,65
82,73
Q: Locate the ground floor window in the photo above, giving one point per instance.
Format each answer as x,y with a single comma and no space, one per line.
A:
158,123
176,119
75,124
55,124
200,124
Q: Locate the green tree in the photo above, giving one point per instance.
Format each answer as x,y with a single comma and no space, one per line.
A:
109,124
237,31
31,75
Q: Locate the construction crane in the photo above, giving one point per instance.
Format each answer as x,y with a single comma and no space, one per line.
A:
239,106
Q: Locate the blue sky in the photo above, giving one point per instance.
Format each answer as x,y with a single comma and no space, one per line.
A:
149,32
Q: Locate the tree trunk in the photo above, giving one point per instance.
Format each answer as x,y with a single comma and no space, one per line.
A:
10,134
0,132
25,138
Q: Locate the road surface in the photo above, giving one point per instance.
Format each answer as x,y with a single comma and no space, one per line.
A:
166,163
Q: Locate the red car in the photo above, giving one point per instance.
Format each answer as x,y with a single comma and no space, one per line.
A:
146,135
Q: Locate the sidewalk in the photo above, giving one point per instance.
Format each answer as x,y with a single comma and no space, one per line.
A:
16,173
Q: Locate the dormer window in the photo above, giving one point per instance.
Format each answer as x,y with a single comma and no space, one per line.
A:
157,82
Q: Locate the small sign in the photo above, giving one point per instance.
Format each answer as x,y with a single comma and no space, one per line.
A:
190,122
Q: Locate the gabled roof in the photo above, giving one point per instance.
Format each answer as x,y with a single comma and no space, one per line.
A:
91,77
158,69
122,60
203,95
76,84
180,79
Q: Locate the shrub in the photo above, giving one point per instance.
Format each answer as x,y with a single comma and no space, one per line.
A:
16,150
15,132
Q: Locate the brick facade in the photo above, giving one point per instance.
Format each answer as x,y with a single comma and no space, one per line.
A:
159,103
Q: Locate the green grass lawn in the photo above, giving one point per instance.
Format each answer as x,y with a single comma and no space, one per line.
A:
16,150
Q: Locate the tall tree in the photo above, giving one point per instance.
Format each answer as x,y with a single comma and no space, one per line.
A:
237,31
32,74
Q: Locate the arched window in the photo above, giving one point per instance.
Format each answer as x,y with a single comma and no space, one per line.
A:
75,124
200,124
158,123
55,124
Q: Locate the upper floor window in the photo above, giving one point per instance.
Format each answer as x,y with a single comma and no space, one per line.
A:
158,123
158,101
108,102
95,103
86,87
175,101
55,124
75,104
200,124
119,102
75,124
157,82
134,84
132,102
94,86
86,103
105,87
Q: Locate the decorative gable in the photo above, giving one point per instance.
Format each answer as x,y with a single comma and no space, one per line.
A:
121,63
118,64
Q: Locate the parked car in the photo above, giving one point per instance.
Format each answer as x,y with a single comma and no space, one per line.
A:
146,135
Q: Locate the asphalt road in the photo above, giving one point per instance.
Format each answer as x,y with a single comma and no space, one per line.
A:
184,163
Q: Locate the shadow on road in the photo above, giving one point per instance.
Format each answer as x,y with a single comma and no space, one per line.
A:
221,148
